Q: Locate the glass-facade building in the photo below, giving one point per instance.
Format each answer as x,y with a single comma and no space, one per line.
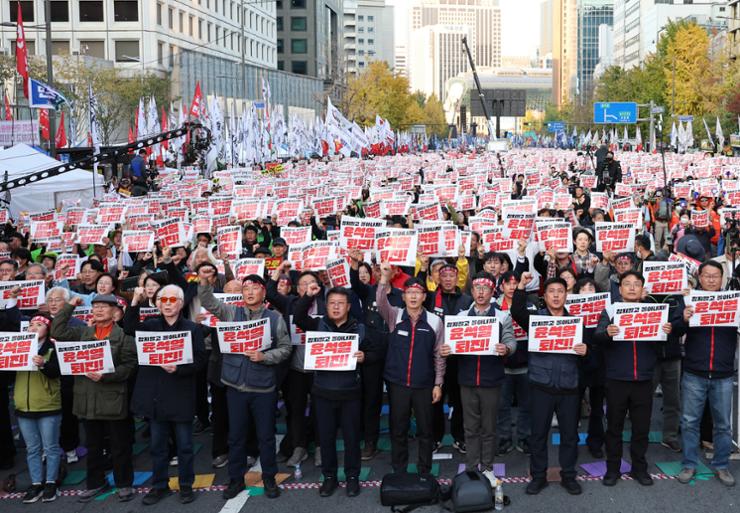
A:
591,14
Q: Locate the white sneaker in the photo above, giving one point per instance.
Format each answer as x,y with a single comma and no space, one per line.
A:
173,462
72,457
492,478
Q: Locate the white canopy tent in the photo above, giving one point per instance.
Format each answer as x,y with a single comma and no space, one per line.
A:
43,195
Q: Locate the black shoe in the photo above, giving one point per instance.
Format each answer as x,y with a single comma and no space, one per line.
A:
155,495
610,479
369,451
460,446
200,427
33,494
186,495
643,478
672,445
271,489
571,486
596,452
523,446
353,487
328,487
51,492
505,447
436,447
233,489
535,486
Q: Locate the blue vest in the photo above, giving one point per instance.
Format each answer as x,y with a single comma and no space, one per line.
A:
553,370
338,380
410,358
477,370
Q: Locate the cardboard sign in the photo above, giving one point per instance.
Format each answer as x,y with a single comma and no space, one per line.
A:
147,312
399,206
137,241
588,306
665,277
17,351
631,216
397,246
202,225
91,234
112,213
329,351
31,295
615,237
429,239
549,334
600,200
83,313
338,272
494,239
295,234
518,226
246,266
472,335
246,210
170,232
46,230
78,358
359,233
240,337
164,348
428,212
229,241
556,235
638,321
211,320
67,267
588,182
700,218
714,308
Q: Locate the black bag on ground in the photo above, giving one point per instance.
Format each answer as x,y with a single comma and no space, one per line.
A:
471,491
410,490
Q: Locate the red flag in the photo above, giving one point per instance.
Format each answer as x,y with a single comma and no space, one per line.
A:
44,123
196,107
131,138
21,53
8,111
165,143
61,138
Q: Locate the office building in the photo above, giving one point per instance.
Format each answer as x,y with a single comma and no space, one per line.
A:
565,50
592,14
368,34
436,54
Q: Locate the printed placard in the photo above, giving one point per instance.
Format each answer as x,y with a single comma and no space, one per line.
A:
555,235
549,334
614,237
296,234
494,239
91,234
17,351
338,272
397,246
359,233
137,241
240,337
637,321
518,226
78,358
471,335
211,320
246,266
148,311
67,267
700,218
112,213
665,277
229,241
164,348
32,293
46,230
588,306
83,313
329,351
631,216
170,232
714,308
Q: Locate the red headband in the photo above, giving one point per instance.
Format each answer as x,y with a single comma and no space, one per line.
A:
483,281
42,319
446,270
252,282
415,286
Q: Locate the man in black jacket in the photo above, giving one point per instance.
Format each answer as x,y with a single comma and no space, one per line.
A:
609,173
165,395
554,389
337,395
630,365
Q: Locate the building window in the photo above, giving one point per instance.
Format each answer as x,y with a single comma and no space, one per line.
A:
299,45
171,18
360,18
30,46
191,21
180,21
93,48
160,53
360,29
371,29
299,67
200,29
298,4
280,46
60,47
208,33
370,18
298,24
127,51
126,10
279,20
281,65
218,39
159,14
59,10
361,41
91,11
26,11
371,41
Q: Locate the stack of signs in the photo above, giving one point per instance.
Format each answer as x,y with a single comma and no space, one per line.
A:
330,351
714,308
614,237
17,351
79,358
638,321
164,348
471,335
588,306
665,277
548,334
240,337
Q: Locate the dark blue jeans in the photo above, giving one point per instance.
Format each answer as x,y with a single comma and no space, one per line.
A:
331,415
159,449
260,407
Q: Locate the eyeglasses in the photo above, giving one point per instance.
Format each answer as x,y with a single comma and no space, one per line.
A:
170,299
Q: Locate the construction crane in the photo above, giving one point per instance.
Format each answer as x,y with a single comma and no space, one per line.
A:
481,96
111,154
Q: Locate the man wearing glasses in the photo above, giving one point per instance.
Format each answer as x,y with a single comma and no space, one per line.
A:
251,381
708,369
165,394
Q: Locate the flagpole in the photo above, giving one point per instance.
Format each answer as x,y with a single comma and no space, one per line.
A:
50,79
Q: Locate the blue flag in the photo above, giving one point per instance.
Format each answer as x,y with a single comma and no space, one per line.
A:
42,96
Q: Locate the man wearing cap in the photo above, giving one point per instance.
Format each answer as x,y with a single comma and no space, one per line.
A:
480,379
251,382
414,368
643,253
554,389
279,248
101,400
249,241
448,300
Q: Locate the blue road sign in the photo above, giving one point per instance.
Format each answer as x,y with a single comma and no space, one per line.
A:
685,119
555,126
615,113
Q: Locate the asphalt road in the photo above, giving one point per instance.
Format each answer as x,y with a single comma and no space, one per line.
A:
302,495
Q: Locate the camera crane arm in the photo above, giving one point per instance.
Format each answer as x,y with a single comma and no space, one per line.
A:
481,97
103,156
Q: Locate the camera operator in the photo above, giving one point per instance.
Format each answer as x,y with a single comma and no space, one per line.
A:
608,173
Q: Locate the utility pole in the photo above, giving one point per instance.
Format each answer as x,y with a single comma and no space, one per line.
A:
50,80
652,125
